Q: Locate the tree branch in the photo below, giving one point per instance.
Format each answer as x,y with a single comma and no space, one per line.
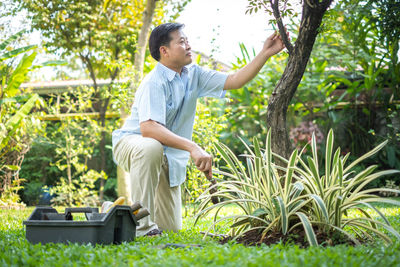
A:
309,3
86,60
282,31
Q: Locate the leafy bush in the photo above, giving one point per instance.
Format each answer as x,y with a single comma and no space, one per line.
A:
276,199
73,139
32,193
341,189
16,128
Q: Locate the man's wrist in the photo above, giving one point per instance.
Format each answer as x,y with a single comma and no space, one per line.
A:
192,146
268,53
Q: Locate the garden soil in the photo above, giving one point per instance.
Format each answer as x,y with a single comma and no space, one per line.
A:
297,237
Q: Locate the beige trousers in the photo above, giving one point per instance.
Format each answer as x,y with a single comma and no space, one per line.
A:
143,158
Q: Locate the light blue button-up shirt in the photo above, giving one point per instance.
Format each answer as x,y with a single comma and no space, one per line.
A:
170,99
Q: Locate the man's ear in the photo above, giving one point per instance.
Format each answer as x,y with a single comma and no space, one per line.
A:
163,51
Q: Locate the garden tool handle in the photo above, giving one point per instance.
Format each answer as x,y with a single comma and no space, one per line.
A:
208,176
142,213
136,206
214,199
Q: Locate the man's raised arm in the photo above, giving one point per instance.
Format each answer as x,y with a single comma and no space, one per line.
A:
272,46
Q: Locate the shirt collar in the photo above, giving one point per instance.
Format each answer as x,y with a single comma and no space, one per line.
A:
170,74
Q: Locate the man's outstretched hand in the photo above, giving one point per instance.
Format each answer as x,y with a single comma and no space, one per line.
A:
274,43
202,160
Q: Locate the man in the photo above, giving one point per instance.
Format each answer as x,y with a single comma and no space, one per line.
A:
154,144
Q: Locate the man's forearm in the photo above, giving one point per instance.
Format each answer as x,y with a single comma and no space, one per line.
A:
248,72
272,45
156,131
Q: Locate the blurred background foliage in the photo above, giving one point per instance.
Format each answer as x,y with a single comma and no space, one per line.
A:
351,85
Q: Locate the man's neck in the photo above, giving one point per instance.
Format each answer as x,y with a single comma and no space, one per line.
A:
177,69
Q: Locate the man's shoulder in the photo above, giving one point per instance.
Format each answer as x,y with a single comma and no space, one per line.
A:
193,67
195,70
154,78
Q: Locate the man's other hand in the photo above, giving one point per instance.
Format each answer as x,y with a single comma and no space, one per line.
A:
202,160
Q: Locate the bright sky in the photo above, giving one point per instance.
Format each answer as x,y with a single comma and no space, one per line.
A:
226,22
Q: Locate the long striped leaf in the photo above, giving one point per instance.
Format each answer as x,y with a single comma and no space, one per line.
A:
382,200
315,175
312,240
376,210
328,155
223,151
366,155
372,177
377,232
360,176
355,241
314,150
285,219
376,190
289,172
321,206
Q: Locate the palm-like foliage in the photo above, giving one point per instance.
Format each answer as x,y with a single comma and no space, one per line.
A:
274,198
341,189
269,201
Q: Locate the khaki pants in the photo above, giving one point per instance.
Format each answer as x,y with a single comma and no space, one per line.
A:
143,158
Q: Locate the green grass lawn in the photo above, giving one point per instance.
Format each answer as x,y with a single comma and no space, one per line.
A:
15,250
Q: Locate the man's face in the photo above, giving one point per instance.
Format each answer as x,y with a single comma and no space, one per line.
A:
178,51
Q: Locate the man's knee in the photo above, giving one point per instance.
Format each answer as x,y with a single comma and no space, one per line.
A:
152,150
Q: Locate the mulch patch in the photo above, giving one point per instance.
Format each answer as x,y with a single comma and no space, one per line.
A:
297,237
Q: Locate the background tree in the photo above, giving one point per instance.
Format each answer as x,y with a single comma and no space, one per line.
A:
312,14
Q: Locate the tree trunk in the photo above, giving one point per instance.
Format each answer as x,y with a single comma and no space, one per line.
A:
123,179
143,36
292,75
102,148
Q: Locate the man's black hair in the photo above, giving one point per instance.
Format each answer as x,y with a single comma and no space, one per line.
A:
161,36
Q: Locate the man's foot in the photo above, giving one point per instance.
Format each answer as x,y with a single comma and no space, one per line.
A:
154,232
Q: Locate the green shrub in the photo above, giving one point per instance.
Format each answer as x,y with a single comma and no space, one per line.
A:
276,199
16,127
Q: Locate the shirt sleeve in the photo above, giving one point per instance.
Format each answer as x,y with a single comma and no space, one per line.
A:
151,103
211,82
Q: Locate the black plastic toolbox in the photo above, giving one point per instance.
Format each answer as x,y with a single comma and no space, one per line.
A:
46,225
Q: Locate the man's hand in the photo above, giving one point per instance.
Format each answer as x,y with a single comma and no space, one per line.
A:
274,43
272,46
202,160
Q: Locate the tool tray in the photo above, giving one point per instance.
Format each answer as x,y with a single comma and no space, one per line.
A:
46,225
